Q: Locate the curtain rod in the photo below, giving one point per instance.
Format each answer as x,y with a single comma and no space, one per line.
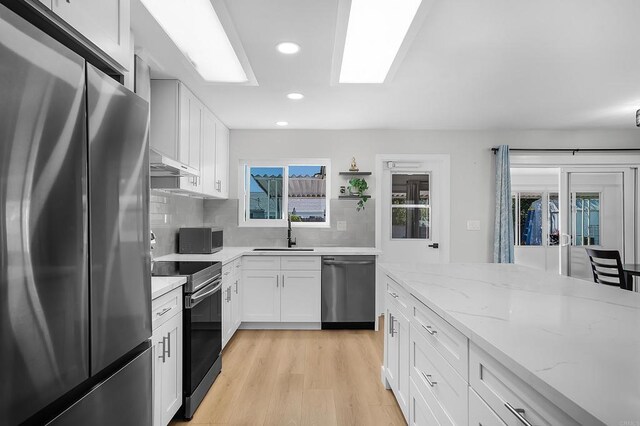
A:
573,151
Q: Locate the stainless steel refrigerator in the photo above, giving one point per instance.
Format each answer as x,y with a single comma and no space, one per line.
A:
75,286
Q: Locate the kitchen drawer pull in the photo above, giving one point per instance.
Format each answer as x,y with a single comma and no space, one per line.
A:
429,330
519,413
236,286
164,311
427,377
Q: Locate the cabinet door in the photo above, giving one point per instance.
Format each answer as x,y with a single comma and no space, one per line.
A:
208,159
261,296
222,160
237,303
227,313
105,23
184,123
392,355
300,296
402,332
195,132
167,375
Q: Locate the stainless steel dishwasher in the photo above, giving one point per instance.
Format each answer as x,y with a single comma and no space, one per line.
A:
348,292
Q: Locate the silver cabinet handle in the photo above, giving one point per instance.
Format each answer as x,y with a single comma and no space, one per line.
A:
277,280
165,351
169,344
393,329
282,280
164,311
519,413
427,377
236,286
390,325
429,330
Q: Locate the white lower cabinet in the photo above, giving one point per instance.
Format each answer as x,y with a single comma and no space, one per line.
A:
167,364
397,355
231,300
273,294
480,414
450,380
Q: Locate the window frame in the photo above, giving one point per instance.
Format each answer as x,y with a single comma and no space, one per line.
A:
244,193
427,207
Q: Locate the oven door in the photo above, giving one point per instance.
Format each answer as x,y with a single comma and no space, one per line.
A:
202,334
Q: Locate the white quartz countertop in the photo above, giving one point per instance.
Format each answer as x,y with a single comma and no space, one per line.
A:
575,342
163,285
228,254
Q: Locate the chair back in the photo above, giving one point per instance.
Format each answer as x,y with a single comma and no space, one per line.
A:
606,266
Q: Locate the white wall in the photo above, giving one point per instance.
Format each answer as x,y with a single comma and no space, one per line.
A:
472,163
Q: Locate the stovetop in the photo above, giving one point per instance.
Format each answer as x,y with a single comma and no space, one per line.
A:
171,269
198,274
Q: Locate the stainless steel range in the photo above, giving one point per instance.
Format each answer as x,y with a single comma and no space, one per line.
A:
202,322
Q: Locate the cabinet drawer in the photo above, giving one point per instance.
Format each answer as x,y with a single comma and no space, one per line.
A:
480,414
448,341
300,263
227,270
237,266
261,263
419,411
447,392
400,295
500,388
165,307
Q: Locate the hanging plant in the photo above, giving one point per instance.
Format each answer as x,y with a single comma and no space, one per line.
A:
358,188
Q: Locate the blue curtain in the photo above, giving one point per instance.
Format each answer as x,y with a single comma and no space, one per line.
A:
503,236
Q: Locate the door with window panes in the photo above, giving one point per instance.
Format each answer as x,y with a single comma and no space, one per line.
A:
415,210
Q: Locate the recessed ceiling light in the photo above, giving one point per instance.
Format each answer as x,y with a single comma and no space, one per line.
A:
375,32
198,33
288,48
295,96
282,123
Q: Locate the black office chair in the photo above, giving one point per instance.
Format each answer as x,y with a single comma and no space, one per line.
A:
606,266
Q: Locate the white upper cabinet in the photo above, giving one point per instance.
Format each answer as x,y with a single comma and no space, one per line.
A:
222,160
105,23
183,129
208,163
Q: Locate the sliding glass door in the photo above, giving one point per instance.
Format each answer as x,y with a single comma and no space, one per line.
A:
601,212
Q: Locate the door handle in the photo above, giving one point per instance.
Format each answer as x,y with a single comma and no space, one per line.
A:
563,242
434,245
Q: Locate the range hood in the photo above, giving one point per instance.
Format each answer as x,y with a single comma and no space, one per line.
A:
163,166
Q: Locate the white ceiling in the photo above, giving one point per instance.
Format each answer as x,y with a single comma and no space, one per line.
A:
474,64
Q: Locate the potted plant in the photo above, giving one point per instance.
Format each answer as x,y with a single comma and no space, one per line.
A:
358,187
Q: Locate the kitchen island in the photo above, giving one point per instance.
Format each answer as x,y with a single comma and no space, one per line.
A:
570,348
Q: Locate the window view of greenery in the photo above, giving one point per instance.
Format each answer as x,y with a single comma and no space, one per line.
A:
265,192
554,219
410,210
307,193
528,221
587,219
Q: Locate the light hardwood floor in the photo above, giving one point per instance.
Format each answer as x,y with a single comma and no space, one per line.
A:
322,378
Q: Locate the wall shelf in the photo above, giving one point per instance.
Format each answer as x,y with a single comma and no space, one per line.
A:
355,173
352,197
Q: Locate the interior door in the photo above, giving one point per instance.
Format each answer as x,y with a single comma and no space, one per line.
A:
415,210
600,214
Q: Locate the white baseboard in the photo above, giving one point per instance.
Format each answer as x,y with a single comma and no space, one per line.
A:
281,326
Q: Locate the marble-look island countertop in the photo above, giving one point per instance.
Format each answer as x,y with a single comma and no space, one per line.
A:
228,254
163,285
575,342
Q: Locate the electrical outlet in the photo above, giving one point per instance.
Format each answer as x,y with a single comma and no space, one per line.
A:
473,225
342,225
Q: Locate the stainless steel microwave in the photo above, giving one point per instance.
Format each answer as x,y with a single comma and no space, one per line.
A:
199,240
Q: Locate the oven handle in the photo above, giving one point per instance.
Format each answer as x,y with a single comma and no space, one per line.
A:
193,300
206,283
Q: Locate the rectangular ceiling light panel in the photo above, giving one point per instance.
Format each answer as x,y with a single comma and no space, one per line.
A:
195,28
375,32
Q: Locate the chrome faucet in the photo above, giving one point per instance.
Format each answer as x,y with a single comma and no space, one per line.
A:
290,242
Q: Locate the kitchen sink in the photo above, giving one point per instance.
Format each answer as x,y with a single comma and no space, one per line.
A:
282,249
